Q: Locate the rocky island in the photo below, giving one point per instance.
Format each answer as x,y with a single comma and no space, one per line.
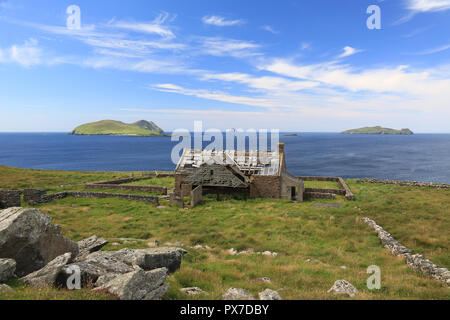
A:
378,130
111,127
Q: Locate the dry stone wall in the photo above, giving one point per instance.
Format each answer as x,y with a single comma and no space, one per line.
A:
9,198
415,261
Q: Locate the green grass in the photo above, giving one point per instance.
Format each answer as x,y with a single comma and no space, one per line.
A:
417,217
167,182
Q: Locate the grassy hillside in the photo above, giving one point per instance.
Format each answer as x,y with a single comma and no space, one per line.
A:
111,127
337,243
377,130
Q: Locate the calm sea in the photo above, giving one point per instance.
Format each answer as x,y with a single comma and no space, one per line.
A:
422,157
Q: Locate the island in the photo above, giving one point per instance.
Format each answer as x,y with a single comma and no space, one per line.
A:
111,127
291,135
378,130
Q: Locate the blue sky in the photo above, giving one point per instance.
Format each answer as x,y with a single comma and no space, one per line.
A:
289,65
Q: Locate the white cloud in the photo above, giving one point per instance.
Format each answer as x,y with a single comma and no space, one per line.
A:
348,51
27,54
427,5
435,50
220,21
217,46
269,29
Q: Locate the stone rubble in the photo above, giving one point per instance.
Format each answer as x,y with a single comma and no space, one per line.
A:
4,288
235,252
269,294
415,261
192,291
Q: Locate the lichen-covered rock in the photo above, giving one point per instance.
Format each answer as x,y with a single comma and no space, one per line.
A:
343,287
47,276
28,237
138,285
269,295
193,291
237,294
7,269
90,245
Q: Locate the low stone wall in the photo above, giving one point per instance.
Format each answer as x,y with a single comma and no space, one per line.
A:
416,262
348,193
10,198
311,178
196,196
319,195
334,191
34,196
156,189
406,183
39,197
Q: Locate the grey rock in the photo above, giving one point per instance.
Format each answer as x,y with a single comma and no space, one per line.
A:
152,258
4,288
7,269
28,237
104,279
90,245
192,291
47,276
263,280
237,294
269,295
96,264
343,287
138,285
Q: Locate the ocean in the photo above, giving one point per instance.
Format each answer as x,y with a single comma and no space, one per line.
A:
419,157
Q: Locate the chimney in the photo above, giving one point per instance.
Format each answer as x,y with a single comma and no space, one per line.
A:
280,148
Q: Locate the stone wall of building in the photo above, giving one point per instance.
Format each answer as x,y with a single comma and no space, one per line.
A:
196,196
262,186
10,198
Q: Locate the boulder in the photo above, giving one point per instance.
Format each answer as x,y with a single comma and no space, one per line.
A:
269,295
343,287
47,276
95,265
152,258
90,245
138,285
4,288
7,269
28,237
237,294
193,291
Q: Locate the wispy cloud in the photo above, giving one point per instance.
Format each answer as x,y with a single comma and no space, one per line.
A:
269,29
348,51
155,27
221,21
218,46
427,5
27,54
434,50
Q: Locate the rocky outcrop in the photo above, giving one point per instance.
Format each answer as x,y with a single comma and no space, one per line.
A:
89,245
269,295
28,237
47,276
343,287
138,285
417,262
7,269
237,294
193,291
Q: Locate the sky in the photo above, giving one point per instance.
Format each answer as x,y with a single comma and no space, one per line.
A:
302,66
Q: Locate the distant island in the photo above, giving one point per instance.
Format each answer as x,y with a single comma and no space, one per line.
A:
291,135
378,130
111,127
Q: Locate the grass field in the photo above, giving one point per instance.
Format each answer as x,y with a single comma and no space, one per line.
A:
333,238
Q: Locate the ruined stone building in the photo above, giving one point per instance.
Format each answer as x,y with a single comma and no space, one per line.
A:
259,174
